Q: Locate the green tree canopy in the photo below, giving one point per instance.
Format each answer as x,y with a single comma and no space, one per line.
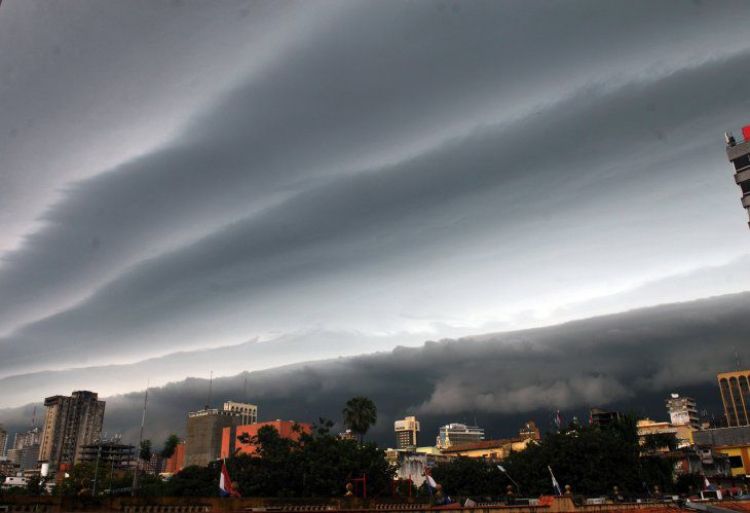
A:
359,414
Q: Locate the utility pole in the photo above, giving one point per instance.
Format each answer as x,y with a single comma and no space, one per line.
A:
140,441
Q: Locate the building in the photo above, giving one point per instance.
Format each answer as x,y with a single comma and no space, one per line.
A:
683,411
347,435
732,441
3,440
683,433
602,417
110,453
204,430
412,464
248,413
496,449
176,462
69,424
530,431
739,155
407,430
734,388
456,433
238,439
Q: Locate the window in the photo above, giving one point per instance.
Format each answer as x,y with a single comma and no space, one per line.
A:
736,461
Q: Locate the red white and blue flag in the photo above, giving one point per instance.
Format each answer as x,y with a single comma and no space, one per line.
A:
225,483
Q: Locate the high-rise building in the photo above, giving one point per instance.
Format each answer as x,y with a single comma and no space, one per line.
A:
69,424
407,430
455,434
738,154
735,394
3,440
683,411
204,430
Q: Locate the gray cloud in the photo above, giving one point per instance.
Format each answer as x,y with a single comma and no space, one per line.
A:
631,361
388,168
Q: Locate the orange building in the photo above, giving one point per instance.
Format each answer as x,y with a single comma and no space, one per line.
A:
231,445
176,462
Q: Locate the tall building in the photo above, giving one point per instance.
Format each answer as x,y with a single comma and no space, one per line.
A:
3,440
455,434
70,423
735,394
407,430
738,154
683,411
205,427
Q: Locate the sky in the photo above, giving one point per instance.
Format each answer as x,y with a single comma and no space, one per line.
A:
181,179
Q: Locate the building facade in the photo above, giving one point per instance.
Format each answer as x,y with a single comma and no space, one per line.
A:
735,395
738,154
176,462
455,433
3,440
69,424
205,427
238,439
247,413
407,431
732,441
110,453
683,411
602,417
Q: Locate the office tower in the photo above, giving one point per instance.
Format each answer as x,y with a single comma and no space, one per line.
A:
738,154
248,413
110,453
735,394
407,430
69,424
455,434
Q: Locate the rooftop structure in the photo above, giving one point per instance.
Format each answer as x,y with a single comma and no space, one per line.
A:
456,433
407,430
738,154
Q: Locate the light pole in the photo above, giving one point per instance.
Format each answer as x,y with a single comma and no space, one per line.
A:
502,469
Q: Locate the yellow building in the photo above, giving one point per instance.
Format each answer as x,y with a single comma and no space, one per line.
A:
735,394
683,433
489,449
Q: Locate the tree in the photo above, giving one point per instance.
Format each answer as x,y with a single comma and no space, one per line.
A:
145,450
170,445
359,414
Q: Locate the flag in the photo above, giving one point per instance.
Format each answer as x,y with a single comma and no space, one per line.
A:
225,483
430,481
558,420
555,484
706,484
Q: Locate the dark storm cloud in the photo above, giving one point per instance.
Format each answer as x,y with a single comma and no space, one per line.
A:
627,359
446,199
397,161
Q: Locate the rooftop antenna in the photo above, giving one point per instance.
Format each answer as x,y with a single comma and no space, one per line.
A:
140,440
33,412
737,358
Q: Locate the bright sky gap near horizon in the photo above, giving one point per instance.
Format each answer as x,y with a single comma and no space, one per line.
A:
333,178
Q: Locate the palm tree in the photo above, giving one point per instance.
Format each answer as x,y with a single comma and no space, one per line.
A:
359,414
